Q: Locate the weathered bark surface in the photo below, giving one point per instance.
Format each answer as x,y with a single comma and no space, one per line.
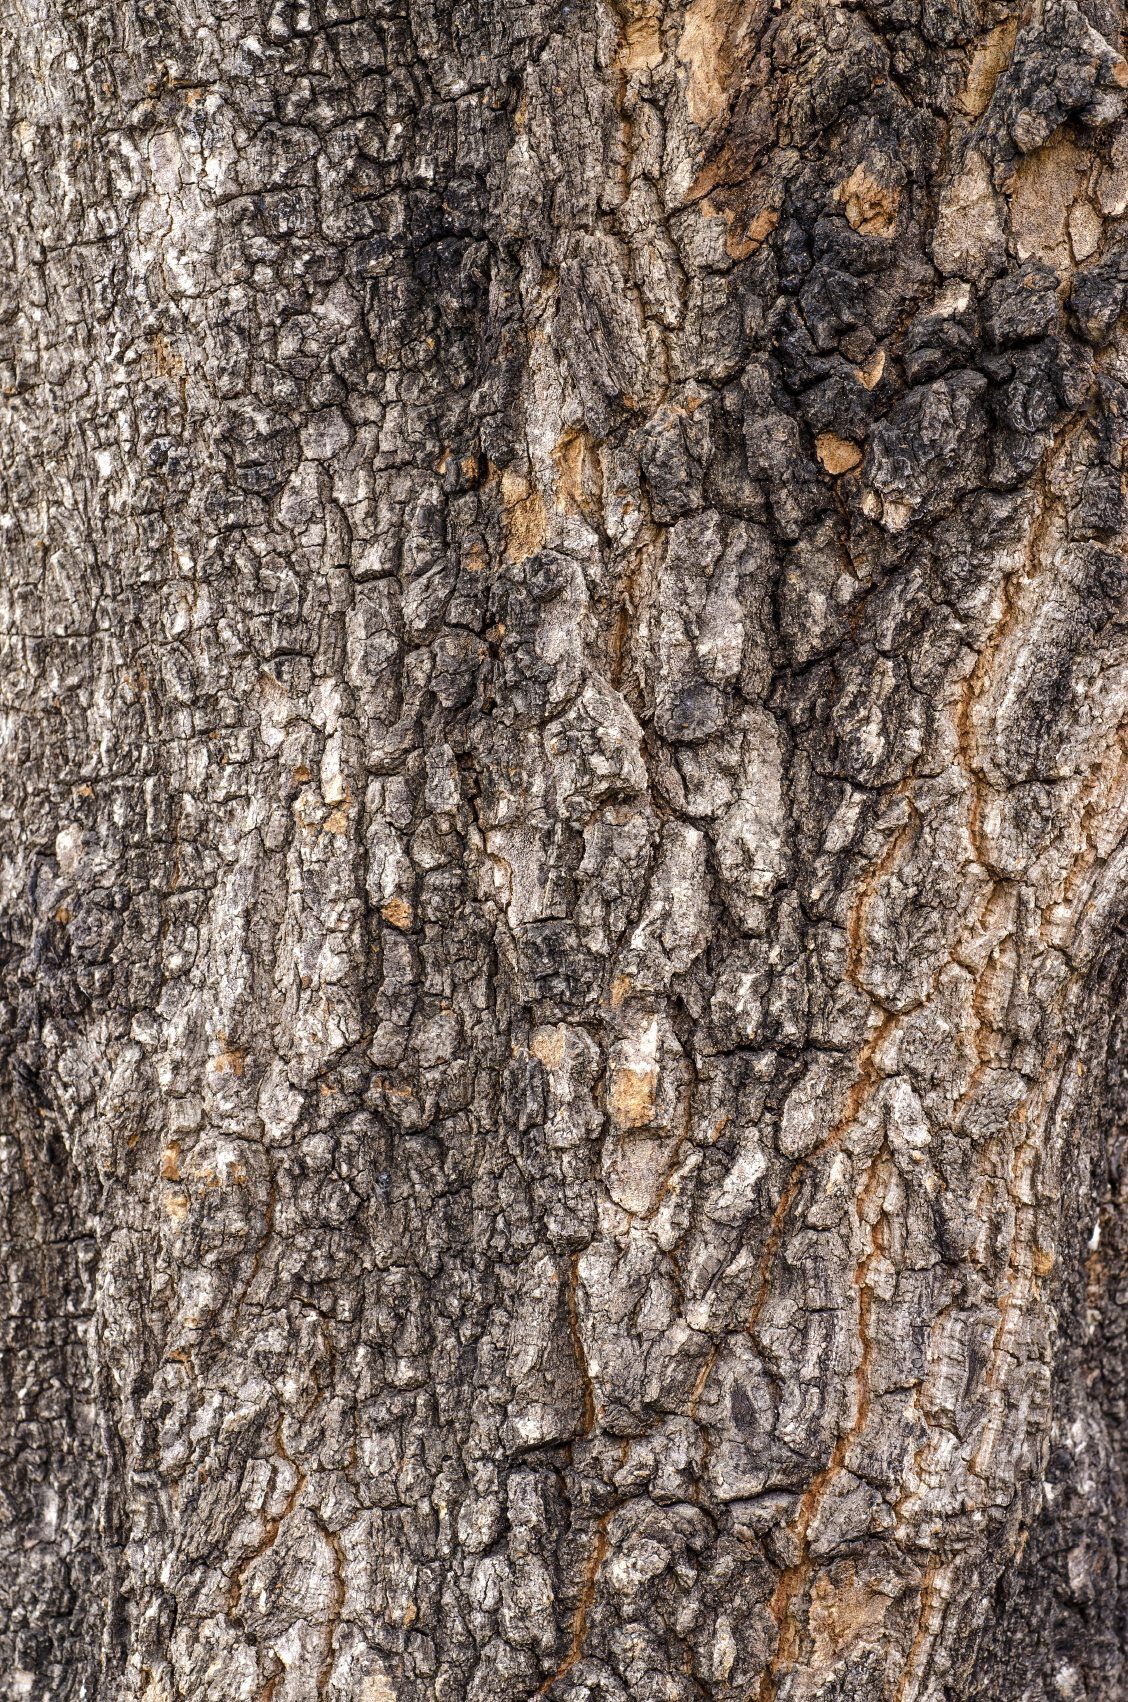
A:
563,816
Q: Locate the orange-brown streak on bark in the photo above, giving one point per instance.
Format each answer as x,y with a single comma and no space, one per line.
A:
672,1167
970,757
336,1609
983,1058
702,1378
583,1608
865,1084
856,937
796,1577
923,1630
270,1529
860,1091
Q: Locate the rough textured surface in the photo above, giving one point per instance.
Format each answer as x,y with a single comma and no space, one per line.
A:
562,851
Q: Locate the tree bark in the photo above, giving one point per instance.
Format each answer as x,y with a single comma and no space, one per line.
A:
563,822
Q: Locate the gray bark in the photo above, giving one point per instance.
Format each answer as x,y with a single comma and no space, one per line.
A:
563,855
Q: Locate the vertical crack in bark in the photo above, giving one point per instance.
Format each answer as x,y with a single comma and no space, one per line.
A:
932,1601
588,1583
335,1613
271,1526
794,1579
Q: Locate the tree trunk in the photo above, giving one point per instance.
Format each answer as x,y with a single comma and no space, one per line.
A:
564,851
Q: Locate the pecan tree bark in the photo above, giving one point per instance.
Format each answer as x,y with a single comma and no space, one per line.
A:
563,850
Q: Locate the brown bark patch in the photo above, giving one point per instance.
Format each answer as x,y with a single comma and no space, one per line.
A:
844,1610
837,454
229,1058
579,475
633,1096
967,222
870,206
337,821
175,1202
1044,188
523,517
547,1047
641,47
398,913
991,57
1085,228
712,37
168,363
745,233
378,1688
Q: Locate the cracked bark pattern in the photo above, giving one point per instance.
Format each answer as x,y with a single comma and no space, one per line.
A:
563,850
